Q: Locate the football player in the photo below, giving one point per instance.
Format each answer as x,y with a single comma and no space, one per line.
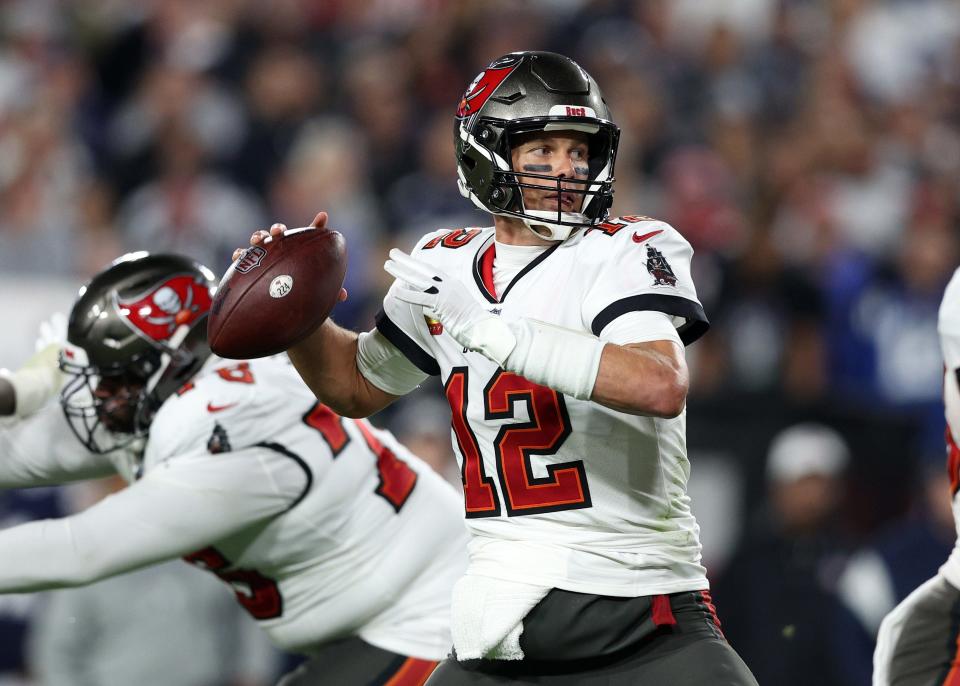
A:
919,640
558,334
341,543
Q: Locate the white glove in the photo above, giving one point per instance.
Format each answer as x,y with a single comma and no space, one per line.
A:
40,378
562,359
444,298
54,330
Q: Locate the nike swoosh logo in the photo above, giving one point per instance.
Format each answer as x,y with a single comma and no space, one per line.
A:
219,408
641,239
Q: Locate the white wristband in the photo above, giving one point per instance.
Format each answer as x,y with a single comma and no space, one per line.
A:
562,359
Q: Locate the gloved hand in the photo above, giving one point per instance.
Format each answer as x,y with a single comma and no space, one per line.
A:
52,331
40,378
445,298
558,358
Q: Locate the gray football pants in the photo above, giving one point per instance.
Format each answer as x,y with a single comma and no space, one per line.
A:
354,662
574,639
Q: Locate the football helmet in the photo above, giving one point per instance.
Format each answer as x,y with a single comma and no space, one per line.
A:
533,91
137,332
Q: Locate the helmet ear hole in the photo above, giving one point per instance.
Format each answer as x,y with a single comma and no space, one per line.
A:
501,197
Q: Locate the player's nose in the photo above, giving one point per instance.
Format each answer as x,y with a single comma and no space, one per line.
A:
565,166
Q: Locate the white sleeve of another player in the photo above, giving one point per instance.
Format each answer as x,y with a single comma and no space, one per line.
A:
948,324
385,366
42,449
181,506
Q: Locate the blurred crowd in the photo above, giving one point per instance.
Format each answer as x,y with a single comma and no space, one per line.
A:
808,149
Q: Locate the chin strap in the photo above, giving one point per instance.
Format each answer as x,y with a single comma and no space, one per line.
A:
539,222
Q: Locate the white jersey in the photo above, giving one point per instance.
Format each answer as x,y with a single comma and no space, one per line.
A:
325,527
948,325
561,492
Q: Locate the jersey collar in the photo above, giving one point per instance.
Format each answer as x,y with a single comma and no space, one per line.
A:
483,268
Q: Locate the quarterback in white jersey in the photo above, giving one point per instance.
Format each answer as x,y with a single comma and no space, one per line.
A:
558,336
558,490
327,528
918,640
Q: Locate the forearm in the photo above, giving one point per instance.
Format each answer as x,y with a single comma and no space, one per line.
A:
648,378
41,450
645,379
185,506
41,555
327,362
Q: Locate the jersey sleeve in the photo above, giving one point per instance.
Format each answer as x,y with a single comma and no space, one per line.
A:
383,365
641,266
405,325
183,505
41,449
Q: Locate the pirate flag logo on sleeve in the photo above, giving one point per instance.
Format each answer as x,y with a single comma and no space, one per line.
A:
659,268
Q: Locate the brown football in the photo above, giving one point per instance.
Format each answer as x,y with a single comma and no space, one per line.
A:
277,293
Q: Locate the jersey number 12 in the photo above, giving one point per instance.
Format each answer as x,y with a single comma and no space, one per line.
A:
564,487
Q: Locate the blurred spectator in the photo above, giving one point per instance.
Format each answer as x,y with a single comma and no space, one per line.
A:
427,198
774,594
188,209
768,316
283,87
882,337
326,169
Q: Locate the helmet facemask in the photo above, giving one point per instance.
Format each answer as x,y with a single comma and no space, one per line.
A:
106,408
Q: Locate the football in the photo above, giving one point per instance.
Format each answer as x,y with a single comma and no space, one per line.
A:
277,293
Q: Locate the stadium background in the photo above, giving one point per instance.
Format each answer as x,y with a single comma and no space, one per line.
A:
808,149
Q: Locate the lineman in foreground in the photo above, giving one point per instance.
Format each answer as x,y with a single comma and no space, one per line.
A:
340,542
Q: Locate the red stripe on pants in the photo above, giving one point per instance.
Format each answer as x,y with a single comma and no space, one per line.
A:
953,677
413,672
661,612
708,601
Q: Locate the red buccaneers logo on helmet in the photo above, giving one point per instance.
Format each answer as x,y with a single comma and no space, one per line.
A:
177,301
485,84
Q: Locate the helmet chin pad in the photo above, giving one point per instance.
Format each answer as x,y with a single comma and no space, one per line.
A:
539,222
